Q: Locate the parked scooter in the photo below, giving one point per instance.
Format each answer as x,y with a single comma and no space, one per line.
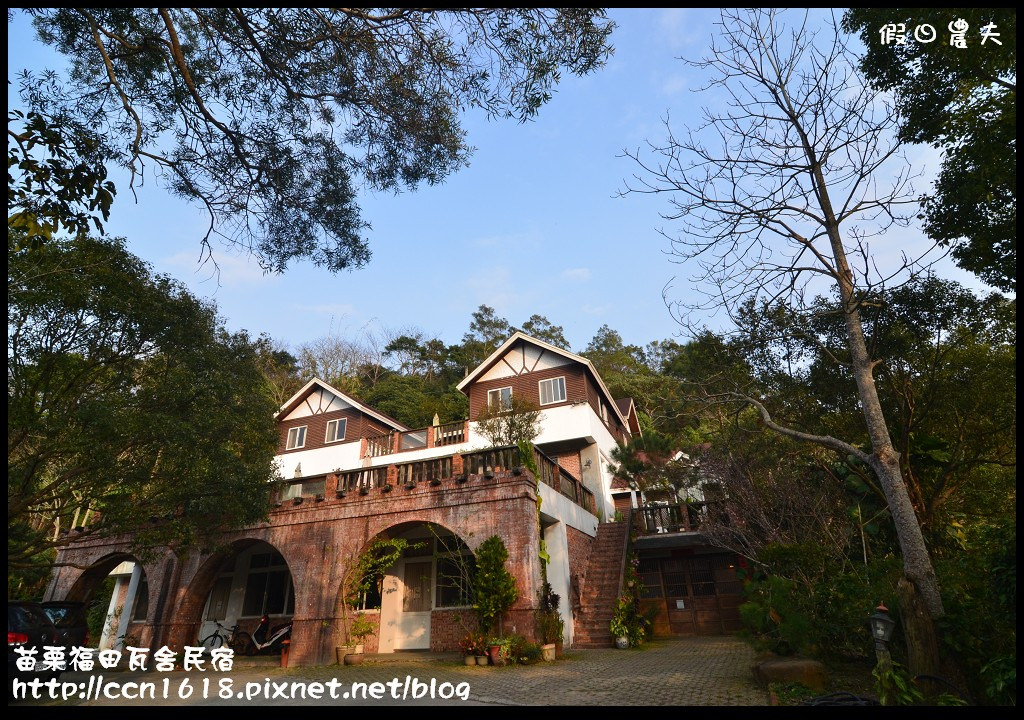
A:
267,639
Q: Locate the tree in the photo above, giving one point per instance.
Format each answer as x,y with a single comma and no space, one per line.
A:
130,409
486,333
64,190
513,423
541,328
361,573
964,101
494,586
280,368
271,119
797,171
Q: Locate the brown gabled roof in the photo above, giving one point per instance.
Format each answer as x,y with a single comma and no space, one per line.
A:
298,397
520,335
623,405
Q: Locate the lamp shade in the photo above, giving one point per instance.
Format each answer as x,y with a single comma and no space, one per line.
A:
881,624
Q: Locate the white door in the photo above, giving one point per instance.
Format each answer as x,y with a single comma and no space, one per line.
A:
413,632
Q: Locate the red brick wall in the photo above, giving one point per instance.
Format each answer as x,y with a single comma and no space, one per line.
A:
315,539
571,462
579,544
448,627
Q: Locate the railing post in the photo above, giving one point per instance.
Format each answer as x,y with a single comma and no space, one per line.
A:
362,447
396,442
330,485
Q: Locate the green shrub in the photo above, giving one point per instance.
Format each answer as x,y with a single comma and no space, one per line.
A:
629,622
776,617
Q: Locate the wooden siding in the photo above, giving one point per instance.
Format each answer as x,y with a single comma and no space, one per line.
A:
526,385
359,425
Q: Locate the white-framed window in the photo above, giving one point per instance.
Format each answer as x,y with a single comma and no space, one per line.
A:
552,391
336,430
500,398
604,413
296,438
268,587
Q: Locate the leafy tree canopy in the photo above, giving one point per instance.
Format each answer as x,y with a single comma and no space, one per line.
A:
963,100
273,118
56,180
127,400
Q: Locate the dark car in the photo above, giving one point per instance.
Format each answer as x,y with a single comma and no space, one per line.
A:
28,626
69,619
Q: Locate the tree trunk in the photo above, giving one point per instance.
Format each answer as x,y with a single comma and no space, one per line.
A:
918,631
885,461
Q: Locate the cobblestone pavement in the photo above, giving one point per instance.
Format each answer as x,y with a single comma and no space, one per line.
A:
689,671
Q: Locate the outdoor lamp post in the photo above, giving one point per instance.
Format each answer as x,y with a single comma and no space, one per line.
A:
881,630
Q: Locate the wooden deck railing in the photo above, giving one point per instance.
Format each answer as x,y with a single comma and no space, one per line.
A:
673,518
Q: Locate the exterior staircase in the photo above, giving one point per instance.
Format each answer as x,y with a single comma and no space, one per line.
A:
601,587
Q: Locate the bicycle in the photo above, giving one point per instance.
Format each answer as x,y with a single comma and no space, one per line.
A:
234,637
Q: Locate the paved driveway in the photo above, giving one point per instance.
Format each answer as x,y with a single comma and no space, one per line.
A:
691,671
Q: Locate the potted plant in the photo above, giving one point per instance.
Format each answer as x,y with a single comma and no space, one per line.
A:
495,587
628,626
361,628
549,622
473,648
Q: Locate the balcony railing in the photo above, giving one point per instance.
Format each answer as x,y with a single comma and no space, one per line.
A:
557,477
680,517
458,466
432,436
377,445
358,480
425,471
486,462
450,433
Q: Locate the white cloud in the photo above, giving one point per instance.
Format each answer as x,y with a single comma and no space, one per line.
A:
678,27
577,274
674,84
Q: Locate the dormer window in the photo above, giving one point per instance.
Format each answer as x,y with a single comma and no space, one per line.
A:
552,391
336,430
296,438
499,399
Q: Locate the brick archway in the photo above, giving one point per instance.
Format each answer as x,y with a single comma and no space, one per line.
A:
184,625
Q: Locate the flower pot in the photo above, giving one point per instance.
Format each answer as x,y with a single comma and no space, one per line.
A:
435,482
354,659
481,659
387,488
462,478
364,491
548,652
469,659
494,653
517,470
341,651
339,494
410,485
622,643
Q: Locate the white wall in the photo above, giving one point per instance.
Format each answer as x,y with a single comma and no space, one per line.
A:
557,545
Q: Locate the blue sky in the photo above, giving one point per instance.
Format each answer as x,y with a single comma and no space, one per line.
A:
533,225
